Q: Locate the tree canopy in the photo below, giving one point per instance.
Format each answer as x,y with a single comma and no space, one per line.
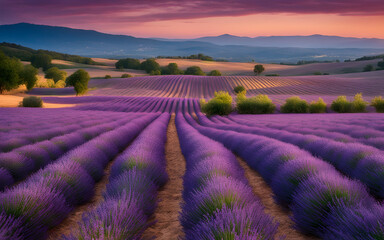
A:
29,76
55,74
258,69
10,69
79,80
172,69
41,60
128,63
214,73
194,70
150,65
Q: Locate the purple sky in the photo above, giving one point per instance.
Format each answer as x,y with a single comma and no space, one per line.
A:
144,17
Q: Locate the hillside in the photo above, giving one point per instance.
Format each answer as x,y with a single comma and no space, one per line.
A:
95,44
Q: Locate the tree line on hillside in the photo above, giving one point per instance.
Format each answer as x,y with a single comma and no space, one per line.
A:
153,68
13,74
199,56
26,54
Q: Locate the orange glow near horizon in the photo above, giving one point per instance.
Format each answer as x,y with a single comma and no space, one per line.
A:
250,25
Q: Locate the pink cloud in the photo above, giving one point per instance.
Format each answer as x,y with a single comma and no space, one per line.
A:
149,10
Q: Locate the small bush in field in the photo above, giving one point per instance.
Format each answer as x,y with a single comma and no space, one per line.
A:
378,103
358,103
107,77
295,105
126,75
239,89
214,73
341,105
60,84
50,83
260,104
31,101
318,107
221,104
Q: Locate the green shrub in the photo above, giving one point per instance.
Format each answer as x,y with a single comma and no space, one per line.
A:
60,84
29,76
31,101
239,89
358,103
155,72
171,69
41,60
55,74
107,77
295,105
258,69
341,105
194,70
368,68
260,104
317,73
221,104
10,69
378,103
79,80
150,66
130,63
51,83
214,73
126,75
318,107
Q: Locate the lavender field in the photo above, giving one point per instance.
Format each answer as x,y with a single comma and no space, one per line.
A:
142,161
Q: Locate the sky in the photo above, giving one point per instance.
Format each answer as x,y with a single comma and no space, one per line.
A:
197,18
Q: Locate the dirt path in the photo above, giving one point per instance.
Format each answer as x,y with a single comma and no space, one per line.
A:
75,216
168,226
264,192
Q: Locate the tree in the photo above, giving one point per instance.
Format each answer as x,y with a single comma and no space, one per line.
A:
79,80
130,63
10,69
172,69
239,89
258,69
194,70
29,76
126,75
41,60
214,73
150,65
381,64
368,68
55,74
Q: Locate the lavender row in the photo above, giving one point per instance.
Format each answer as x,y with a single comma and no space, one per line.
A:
319,197
24,119
12,140
131,194
143,104
218,202
21,162
46,198
356,160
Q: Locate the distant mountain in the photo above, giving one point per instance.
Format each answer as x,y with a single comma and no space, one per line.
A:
313,41
95,44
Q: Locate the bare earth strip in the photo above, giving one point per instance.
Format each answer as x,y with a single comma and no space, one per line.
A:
168,226
75,216
264,192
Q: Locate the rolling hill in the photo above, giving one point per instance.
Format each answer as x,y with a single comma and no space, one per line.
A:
95,44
